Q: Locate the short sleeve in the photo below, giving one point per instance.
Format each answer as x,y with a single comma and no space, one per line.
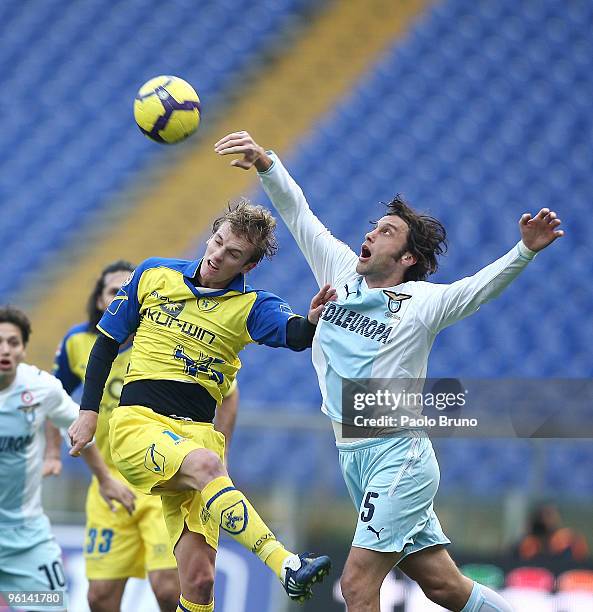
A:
62,370
62,411
267,320
122,317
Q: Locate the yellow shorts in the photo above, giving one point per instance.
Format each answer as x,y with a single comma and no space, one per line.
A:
148,450
122,546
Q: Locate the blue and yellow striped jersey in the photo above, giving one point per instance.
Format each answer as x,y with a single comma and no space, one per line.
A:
187,333
70,367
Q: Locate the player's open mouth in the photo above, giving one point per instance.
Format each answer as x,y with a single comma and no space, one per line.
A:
211,265
365,253
5,364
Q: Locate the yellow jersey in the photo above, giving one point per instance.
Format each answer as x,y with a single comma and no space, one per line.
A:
70,367
186,333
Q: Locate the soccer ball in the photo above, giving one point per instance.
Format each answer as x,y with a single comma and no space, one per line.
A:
167,109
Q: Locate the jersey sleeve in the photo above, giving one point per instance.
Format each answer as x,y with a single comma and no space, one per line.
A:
329,258
446,304
61,409
268,318
122,317
62,370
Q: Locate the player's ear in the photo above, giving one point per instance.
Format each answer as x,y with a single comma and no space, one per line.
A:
408,259
248,267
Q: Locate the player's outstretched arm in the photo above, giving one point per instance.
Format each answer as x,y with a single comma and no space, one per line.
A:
327,257
450,303
540,231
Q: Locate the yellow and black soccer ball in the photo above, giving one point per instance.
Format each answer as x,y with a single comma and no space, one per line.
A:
167,109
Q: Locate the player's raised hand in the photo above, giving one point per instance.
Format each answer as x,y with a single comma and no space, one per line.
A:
113,490
326,294
242,143
540,231
81,432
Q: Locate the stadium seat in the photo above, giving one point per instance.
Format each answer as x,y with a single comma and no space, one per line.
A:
487,574
530,578
576,580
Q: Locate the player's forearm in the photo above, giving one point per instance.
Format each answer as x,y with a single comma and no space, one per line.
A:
101,359
93,459
326,255
299,333
226,416
53,441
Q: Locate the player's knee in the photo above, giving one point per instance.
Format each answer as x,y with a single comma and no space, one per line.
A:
201,467
353,588
102,597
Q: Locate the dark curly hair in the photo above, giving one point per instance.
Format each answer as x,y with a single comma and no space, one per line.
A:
11,314
94,314
427,239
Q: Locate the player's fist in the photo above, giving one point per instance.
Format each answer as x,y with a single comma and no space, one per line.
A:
242,143
81,432
540,231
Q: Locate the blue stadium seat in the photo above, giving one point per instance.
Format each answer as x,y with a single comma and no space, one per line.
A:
68,129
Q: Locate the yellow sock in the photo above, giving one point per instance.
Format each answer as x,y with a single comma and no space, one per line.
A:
233,512
185,605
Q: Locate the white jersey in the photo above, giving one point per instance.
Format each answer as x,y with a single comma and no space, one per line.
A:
383,332
33,397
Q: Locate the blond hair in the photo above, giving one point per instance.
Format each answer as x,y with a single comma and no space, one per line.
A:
254,223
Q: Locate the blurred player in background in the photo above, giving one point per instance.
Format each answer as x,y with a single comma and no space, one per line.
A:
30,558
547,538
392,481
190,320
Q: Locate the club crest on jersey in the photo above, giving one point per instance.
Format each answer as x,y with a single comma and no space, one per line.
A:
28,406
173,309
395,301
207,304
234,519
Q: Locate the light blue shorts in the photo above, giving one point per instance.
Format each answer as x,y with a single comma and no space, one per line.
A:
392,482
31,560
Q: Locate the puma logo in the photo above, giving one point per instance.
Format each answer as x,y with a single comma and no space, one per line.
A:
348,292
377,533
